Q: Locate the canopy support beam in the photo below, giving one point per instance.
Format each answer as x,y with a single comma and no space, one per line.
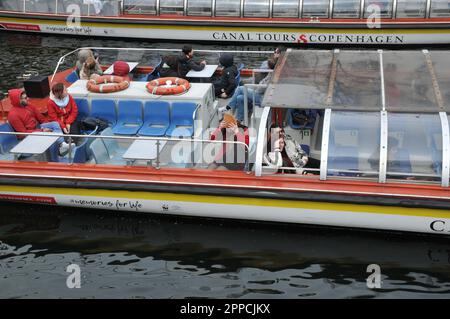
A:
383,147
325,143
445,149
383,91
434,81
332,78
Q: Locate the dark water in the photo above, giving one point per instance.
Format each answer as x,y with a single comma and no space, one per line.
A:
149,256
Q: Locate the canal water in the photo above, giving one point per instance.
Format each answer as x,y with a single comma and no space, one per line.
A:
123,255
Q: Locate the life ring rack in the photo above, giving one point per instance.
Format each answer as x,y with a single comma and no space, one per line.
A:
107,84
162,86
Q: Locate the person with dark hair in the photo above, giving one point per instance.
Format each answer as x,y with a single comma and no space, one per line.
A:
254,96
226,84
83,55
186,62
63,109
90,69
25,118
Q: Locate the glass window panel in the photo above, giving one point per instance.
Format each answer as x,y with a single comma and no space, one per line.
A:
440,8
199,7
442,71
285,8
384,8
226,8
316,8
411,8
354,145
408,83
140,6
302,81
256,8
413,146
346,9
171,7
362,71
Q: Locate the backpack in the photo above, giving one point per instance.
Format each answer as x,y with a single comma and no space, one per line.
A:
90,123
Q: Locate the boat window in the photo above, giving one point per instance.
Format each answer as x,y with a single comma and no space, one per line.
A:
346,9
199,7
414,146
285,8
11,5
408,83
171,7
316,8
139,6
354,144
411,8
256,8
354,69
228,8
383,7
440,8
442,70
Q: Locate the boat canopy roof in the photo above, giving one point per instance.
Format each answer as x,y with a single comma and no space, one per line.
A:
362,80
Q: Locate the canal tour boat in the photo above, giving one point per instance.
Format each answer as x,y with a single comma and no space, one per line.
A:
302,22
379,132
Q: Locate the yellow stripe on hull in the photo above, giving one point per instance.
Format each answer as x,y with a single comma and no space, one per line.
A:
229,200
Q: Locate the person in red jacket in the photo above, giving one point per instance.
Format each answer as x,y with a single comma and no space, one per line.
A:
63,109
25,118
231,156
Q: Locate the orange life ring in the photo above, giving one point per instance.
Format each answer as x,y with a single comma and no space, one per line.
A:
107,84
181,86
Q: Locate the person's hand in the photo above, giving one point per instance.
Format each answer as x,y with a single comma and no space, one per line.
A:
68,128
223,95
47,130
233,127
65,131
203,62
222,124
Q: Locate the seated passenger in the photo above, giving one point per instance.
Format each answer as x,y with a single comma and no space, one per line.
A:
169,66
186,62
226,84
90,69
63,109
83,55
230,156
25,118
284,151
237,100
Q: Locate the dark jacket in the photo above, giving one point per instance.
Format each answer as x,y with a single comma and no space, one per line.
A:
169,66
185,65
228,79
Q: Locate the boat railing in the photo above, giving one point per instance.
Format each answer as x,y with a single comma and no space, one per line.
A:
193,141
73,53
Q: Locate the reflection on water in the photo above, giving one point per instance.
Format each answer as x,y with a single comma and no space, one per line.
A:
130,256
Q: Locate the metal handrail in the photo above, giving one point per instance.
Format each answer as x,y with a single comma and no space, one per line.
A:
62,58
133,138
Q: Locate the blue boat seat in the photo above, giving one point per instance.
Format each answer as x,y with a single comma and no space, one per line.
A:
115,152
7,142
156,118
83,109
72,77
79,154
182,119
105,110
99,151
129,118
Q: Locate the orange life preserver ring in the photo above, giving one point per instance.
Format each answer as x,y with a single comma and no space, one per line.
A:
107,84
181,86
